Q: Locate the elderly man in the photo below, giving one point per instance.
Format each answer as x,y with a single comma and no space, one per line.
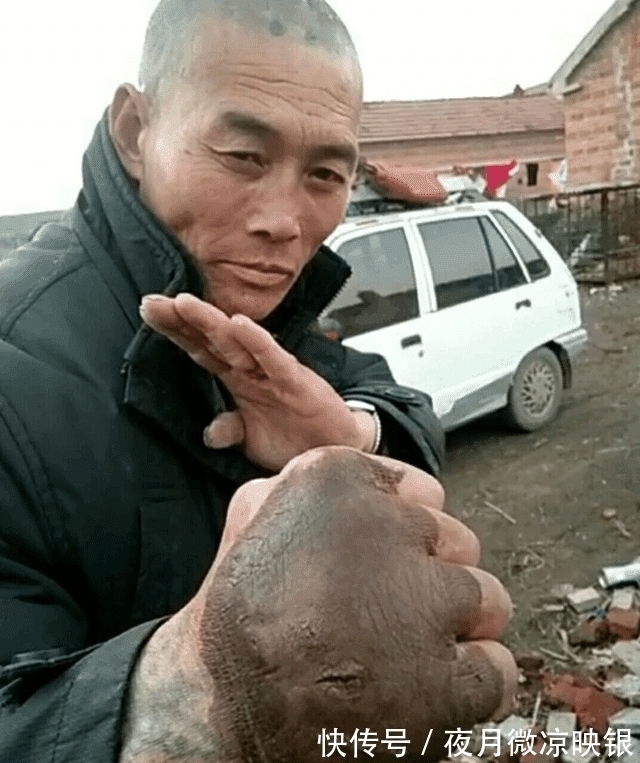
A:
174,299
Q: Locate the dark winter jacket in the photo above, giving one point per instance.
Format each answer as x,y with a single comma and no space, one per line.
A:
111,507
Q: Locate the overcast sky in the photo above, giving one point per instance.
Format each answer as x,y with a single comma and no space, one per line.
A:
61,60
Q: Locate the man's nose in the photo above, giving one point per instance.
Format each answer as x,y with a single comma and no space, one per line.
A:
277,216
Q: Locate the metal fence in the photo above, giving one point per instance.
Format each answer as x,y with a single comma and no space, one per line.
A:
597,231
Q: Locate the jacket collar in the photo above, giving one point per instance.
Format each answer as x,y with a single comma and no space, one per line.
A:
136,255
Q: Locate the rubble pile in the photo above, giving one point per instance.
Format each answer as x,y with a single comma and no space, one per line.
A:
579,702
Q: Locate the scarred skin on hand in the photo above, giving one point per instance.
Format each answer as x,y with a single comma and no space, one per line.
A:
342,597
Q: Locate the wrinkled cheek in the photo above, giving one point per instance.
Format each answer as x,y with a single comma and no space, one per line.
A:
322,218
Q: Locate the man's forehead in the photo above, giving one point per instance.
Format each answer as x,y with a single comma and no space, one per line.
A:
223,50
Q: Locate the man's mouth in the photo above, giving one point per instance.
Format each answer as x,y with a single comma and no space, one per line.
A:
259,274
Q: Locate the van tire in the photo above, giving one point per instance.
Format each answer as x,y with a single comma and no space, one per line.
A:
534,397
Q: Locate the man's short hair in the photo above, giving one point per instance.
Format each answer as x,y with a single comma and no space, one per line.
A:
174,24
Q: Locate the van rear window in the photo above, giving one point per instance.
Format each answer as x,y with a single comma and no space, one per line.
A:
459,259
535,263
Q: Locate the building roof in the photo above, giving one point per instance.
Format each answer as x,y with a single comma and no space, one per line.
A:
420,120
616,12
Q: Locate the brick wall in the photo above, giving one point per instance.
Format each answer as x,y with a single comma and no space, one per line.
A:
546,148
603,116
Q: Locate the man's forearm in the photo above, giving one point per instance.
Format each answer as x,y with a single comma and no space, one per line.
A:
167,711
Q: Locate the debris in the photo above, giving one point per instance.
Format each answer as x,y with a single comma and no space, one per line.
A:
564,723
477,735
600,658
629,718
579,757
626,688
589,633
562,591
623,623
512,725
592,706
553,608
584,599
530,664
500,511
524,560
609,514
555,655
619,574
628,653
623,598
538,753
565,646
616,350
633,756
536,709
620,527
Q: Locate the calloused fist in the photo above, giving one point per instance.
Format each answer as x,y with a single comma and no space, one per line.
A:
344,598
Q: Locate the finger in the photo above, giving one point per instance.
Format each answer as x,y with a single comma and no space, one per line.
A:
484,682
243,507
448,538
225,430
216,327
245,503
493,613
414,485
411,485
504,661
267,353
161,315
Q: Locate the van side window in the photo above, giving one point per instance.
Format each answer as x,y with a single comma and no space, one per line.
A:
508,270
534,261
459,259
382,290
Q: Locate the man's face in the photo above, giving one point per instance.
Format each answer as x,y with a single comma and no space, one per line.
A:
248,161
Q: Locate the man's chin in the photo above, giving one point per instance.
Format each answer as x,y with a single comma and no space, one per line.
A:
255,305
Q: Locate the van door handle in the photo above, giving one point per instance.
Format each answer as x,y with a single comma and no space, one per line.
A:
409,341
524,303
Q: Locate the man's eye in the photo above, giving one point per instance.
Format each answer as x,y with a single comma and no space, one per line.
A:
328,176
246,157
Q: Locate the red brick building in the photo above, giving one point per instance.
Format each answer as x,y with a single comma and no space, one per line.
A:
600,82
472,132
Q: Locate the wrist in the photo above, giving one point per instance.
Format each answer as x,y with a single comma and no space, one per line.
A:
168,702
368,424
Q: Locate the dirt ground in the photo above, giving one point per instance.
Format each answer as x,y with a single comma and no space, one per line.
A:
556,483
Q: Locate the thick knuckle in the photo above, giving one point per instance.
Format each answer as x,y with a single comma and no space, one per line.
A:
477,685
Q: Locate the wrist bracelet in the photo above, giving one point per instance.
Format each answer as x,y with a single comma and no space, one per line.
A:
360,405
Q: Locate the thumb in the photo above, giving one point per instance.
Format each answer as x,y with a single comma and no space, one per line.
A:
225,430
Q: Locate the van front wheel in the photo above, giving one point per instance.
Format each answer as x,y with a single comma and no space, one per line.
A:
535,395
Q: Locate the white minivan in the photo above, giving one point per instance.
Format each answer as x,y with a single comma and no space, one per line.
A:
468,303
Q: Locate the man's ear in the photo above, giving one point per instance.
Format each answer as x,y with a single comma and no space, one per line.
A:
128,125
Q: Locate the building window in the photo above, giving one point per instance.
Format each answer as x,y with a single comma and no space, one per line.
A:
532,174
